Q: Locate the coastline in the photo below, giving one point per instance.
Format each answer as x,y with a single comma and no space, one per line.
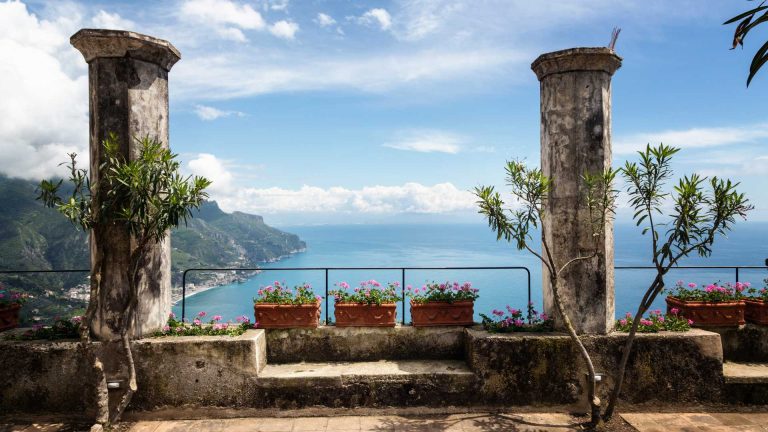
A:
223,278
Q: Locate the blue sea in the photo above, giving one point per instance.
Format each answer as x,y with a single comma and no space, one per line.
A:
469,245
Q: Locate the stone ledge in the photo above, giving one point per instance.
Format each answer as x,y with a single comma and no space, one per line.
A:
98,43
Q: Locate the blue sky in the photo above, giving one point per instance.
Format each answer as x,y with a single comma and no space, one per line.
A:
386,111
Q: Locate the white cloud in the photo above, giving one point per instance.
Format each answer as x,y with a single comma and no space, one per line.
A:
113,21
44,105
210,113
214,169
376,18
324,20
428,141
692,138
284,29
278,5
230,76
406,198
231,33
222,12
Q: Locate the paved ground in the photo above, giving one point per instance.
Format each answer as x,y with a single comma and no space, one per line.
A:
699,422
642,422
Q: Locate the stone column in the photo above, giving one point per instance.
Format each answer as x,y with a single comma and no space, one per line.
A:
128,95
576,138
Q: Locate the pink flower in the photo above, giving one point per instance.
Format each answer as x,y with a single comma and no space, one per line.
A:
196,322
519,323
172,315
675,311
201,314
167,329
661,319
179,329
261,292
318,298
217,317
497,312
623,322
628,315
544,317
690,322
691,285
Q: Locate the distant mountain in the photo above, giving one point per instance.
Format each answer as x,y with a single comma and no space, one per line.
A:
33,237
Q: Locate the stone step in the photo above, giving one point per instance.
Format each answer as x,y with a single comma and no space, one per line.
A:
365,384
746,383
360,344
745,373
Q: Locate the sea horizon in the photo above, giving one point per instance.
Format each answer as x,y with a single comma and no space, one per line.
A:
470,245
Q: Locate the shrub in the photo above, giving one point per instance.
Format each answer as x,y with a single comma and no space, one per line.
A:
9,298
278,293
369,292
197,328
68,328
656,322
443,292
759,294
513,320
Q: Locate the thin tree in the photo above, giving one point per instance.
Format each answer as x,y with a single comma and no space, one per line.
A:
702,209
146,197
530,188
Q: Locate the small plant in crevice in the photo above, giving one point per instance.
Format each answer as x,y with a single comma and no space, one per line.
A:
513,320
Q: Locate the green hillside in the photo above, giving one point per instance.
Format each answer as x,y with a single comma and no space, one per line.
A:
33,237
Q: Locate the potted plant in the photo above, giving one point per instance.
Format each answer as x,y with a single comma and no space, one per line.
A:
10,303
441,304
368,305
280,307
715,305
756,304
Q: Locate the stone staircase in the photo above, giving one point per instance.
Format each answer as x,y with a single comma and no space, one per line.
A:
745,366
364,367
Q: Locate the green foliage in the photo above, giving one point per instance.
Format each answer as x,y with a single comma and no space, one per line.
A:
147,195
10,298
513,321
214,327
61,329
743,28
442,292
656,322
278,293
698,214
369,292
759,294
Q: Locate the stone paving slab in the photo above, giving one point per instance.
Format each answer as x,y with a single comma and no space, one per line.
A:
698,422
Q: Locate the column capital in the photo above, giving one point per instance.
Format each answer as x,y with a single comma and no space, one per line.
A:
576,59
100,43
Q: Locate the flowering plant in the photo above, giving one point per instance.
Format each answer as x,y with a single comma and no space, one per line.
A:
655,322
759,294
67,328
214,327
715,292
369,292
443,292
279,293
10,298
513,320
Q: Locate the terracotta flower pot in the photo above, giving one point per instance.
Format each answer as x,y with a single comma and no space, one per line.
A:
9,317
272,315
443,313
756,311
709,314
363,315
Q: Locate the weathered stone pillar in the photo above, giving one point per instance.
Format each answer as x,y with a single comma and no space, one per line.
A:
128,95
576,138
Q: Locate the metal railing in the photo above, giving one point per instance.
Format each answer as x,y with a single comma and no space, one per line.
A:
734,268
326,270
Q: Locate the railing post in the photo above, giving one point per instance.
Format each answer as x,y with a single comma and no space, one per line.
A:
402,287
737,274
183,294
326,297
